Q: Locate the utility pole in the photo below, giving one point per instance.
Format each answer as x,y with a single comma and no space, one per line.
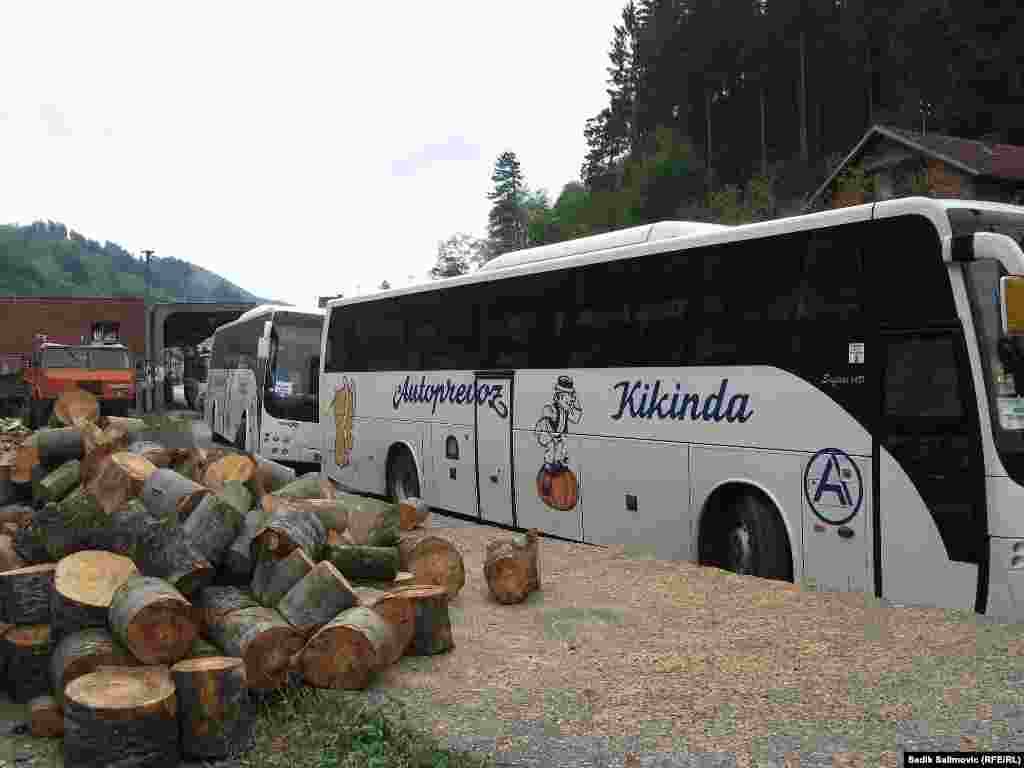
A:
149,257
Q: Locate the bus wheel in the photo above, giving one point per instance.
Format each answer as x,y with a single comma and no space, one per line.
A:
403,482
240,435
748,538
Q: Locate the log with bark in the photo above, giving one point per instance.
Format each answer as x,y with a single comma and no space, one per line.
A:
203,648
82,652
367,563
153,620
155,453
214,603
333,513
166,492
78,522
263,639
45,717
121,718
26,456
413,513
100,445
237,565
9,554
432,560
511,569
60,482
83,586
272,579
273,476
167,553
371,522
216,716
368,595
433,633
347,651
399,611
288,527
127,424
25,594
317,598
119,479
27,649
404,578
55,446
239,495
213,526
27,548
76,406
305,487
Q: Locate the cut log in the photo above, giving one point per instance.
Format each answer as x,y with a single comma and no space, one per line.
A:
153,620
327,490
119,479
76,523
432,560
263,639
511,569
240,497
433,626
26,456
16,513
231,467
368,563
27,649
29,548
25,594
100,445
273,476
45,718
192,464
216,716
203,648
121,718
75,406
82,652
347,651
214,603
213,526
9,557
367,596
305,487
371,523
39,472
272,579
412,513
59,445
127,424
288,527
317,598
167,553
334,539
399,611
166,492
83,586
237,566
60,482
333,513
155,453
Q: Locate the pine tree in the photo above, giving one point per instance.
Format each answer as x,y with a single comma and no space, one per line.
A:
506,228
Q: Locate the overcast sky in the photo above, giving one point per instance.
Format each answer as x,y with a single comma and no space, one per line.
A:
297,149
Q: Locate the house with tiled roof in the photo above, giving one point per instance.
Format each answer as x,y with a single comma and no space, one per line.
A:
893,162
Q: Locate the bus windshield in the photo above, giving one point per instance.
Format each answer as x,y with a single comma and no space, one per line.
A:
293,374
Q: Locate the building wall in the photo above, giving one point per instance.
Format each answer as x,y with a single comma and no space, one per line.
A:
946,181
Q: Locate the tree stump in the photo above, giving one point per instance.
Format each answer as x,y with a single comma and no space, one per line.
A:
399,611
263,639
119,479
168,493
433,633
75,406
237,565
317,598
273,578
287,528
25,594
511,569
347,650
432,560
215,714
412,513
45,717
83,586
153,620
305,487
60,482
213,526
27,649
214,603
82,652
121,718
369,563
370,522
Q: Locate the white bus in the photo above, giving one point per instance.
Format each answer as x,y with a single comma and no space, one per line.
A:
261,391
834,397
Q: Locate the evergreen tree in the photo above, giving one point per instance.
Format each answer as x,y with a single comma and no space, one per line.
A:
506,226
457,254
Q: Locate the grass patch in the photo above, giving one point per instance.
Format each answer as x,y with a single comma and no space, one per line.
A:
310,728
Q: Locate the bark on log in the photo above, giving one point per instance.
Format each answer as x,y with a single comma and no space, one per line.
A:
166,492
263,639
236,492
432,560
273,476
214,603
368,563
168,554
155,453
237,566
26,456
121,718
305,487
82,652
511,569
119,479
60,482
412,513
127,424
371,523
45,717
100,445
433,633
203,648
9,557
25,594
83,586
213,526
347,651
216,717
399,611
16,513
367,596
75,406
272,579
333,513
231,467
317,598
153,620
288,527
58,445
28,547
27,649
76,523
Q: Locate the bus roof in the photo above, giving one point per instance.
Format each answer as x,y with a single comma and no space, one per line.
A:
269,309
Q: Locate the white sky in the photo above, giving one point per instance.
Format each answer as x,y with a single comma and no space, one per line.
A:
297,149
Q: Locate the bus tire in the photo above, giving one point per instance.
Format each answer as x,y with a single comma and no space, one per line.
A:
747,537
403,482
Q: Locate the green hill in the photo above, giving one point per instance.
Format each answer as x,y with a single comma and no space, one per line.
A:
48,259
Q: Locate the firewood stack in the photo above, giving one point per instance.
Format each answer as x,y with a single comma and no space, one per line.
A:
149,593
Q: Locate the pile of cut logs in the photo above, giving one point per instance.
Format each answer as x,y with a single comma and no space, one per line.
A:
149,592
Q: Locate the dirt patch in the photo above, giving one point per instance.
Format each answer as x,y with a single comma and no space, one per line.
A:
694,659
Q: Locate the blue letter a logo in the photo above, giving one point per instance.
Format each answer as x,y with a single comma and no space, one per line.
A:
840,489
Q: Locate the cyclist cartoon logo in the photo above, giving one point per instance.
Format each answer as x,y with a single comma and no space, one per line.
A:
556,483
344,406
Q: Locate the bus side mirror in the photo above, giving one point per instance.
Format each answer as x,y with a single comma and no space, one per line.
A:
1011,305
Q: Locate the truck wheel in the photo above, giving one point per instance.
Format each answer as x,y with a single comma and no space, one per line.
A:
748,538
403,482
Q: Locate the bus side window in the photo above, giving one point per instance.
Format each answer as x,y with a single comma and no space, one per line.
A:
832,277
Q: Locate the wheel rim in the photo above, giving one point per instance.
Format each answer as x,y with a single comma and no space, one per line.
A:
741,550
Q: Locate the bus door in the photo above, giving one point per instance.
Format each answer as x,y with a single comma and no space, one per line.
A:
493,418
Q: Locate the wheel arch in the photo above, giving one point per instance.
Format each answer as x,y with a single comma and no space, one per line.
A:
395,448
729,489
